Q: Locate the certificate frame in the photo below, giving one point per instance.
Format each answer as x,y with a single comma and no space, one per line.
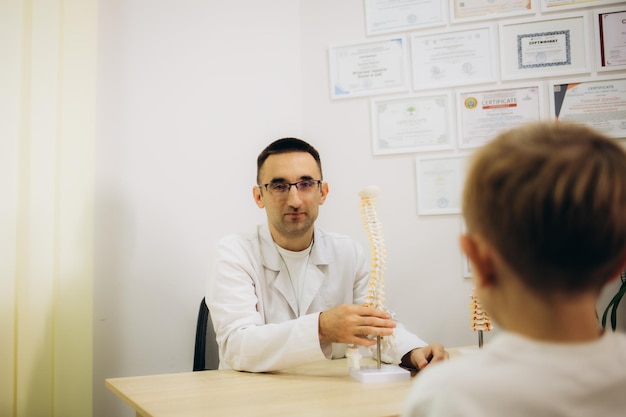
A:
451,58
386,16
496,9
483,113
603,63
544,47
578,100
398,123
440,182
560,5
366,68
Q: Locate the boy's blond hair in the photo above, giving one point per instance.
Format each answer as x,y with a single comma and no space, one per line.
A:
551,198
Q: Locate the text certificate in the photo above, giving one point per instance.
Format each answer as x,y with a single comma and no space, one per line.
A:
549,5
544,47
368,68
484,114
385,16
440,184
547,49
613,39
454,58
597,104
464,9
411,124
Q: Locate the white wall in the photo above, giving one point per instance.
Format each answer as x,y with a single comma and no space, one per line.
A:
189,93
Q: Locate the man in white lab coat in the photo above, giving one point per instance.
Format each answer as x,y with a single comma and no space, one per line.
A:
291,293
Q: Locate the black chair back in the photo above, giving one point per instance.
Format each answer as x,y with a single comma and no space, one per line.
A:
206,352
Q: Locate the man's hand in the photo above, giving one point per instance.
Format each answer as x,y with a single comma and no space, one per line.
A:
351,324
420,358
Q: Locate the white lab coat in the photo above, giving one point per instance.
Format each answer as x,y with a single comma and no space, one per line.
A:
253,305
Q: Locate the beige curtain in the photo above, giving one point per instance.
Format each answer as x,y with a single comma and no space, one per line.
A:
47,129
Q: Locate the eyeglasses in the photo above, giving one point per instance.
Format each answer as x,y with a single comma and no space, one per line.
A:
281,188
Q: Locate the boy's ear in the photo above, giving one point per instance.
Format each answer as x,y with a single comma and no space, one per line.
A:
480,256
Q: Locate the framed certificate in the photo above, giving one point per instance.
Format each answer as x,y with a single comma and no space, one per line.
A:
464,10
556,5
599,103
412,124
384,16
440,184
483,114
368,68
546,47
451,58
610,35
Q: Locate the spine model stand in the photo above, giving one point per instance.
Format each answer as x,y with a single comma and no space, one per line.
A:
479,318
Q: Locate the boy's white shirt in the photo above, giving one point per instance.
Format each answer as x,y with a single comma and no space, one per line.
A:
514,376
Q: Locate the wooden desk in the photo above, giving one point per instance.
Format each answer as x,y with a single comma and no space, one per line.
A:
320,389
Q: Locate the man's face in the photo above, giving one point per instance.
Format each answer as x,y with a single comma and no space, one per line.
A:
291,216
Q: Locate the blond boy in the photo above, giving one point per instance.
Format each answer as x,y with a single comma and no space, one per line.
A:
545,209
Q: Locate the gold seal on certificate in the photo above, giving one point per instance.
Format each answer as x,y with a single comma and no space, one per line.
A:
470,102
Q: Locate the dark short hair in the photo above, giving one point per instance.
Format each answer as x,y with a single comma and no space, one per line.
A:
552,198
286,145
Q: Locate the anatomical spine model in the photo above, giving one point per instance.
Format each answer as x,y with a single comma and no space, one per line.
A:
376,287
